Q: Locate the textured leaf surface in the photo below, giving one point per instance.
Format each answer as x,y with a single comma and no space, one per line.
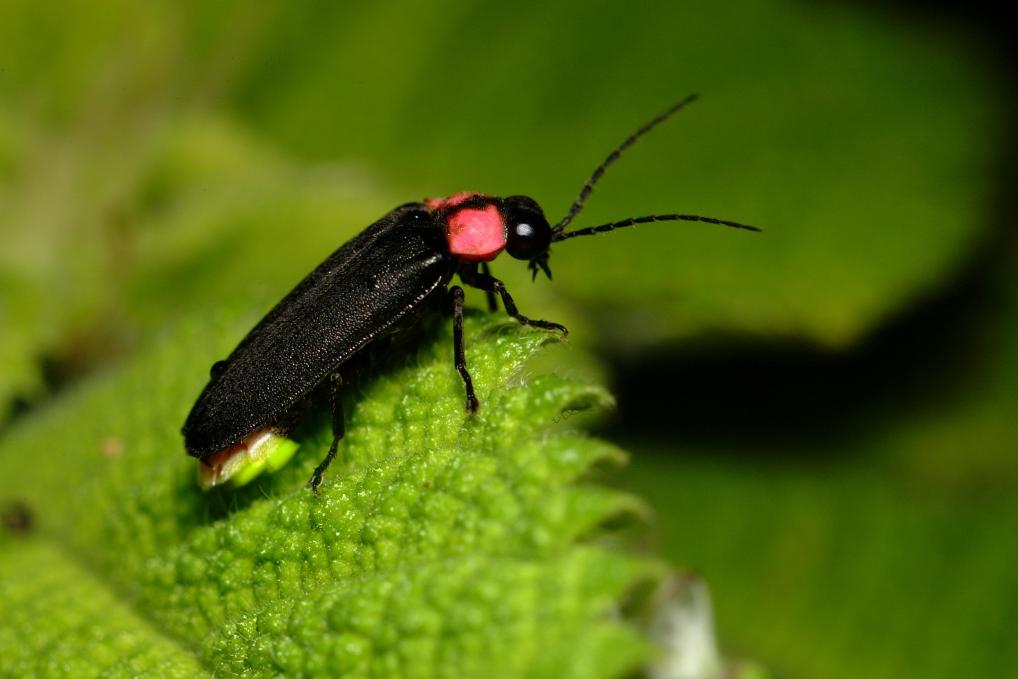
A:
441,545
60,621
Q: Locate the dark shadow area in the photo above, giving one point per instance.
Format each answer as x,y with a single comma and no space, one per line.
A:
16,518
988,18
794,397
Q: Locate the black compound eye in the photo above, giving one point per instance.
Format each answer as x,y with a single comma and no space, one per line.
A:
528,234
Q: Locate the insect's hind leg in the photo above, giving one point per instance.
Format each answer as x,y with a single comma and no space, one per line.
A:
456,295
490,284
338,429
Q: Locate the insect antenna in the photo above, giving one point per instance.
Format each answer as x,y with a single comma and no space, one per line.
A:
633,221
577,205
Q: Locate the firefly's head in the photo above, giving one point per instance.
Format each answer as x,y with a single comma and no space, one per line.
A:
528,233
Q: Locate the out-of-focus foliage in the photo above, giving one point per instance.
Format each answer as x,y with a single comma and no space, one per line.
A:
139,135
889,554
160,160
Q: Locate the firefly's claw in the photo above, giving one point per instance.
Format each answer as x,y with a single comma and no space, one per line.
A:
315,482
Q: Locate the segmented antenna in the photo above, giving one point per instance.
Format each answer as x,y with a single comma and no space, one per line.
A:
633,221
577,205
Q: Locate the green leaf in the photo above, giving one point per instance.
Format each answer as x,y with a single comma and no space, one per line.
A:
60,620
440,545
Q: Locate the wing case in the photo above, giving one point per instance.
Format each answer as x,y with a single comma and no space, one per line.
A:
361,291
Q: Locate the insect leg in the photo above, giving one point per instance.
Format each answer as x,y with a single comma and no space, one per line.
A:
338,428
456,294
492,300
491,284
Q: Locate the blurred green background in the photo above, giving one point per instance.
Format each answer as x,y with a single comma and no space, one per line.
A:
822,416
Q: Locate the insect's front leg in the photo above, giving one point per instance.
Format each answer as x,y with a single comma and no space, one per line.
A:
456,296
338,429
489,283
490,294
